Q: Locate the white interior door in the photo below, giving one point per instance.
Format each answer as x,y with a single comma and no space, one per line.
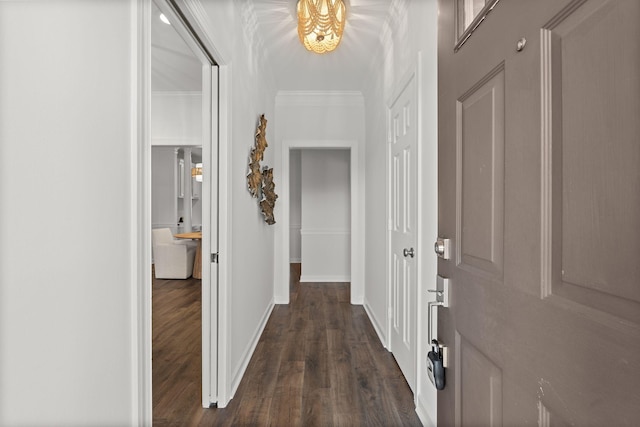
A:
209,235
402,226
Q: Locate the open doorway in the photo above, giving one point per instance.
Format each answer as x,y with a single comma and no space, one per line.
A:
320,214
355,258
183,105
176,280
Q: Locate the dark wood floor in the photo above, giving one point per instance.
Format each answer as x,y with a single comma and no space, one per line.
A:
176,367
318,362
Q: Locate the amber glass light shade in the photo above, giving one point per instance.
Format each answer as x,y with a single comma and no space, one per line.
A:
320,24
196,172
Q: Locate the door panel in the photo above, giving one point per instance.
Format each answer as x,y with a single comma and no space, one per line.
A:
480,165
596,138
539,171
479,397
403,196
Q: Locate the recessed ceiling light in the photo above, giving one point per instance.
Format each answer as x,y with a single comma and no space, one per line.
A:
164,19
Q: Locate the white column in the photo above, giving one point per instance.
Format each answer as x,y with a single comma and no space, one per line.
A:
188,206
176,195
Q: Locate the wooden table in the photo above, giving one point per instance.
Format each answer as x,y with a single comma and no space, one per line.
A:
197,263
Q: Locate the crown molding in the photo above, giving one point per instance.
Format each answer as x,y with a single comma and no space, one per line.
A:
319,99
171,93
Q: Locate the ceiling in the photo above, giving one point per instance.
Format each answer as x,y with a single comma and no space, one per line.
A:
174,67
294,68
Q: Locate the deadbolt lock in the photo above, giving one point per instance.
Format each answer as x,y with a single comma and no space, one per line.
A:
442,247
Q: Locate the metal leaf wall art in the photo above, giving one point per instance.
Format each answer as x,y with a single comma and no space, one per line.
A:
260,182
254,177
269,195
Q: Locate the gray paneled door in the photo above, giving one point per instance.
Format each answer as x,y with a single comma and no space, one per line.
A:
539,190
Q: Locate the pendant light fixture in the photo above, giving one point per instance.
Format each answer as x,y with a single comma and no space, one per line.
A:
320,24
196,172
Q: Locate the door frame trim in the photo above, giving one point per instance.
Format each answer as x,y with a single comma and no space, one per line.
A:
140,220
427,226
357,216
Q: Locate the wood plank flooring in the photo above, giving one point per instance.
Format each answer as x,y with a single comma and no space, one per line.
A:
176,351
318,363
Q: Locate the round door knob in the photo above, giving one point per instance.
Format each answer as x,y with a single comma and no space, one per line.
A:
408,252
439,247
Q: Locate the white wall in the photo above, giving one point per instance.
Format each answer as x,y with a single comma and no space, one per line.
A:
67,86
67,263
326,216
410,30
295,206
176,118
246,289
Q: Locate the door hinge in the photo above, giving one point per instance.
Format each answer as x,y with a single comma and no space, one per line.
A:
214,257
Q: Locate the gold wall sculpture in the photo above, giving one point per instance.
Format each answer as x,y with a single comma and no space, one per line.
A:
269,195
260,181
254,177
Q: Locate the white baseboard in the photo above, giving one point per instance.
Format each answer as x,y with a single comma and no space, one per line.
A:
251,348
323,279
294,260
423,414
376,325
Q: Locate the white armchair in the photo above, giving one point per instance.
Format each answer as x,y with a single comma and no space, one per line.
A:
173,259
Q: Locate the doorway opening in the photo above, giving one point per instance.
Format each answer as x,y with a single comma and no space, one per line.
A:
356,219
184,200
320,214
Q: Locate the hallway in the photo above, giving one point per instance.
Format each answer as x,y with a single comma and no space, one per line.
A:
318,362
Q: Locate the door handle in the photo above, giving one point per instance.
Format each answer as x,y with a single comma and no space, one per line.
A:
408,252
443,295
